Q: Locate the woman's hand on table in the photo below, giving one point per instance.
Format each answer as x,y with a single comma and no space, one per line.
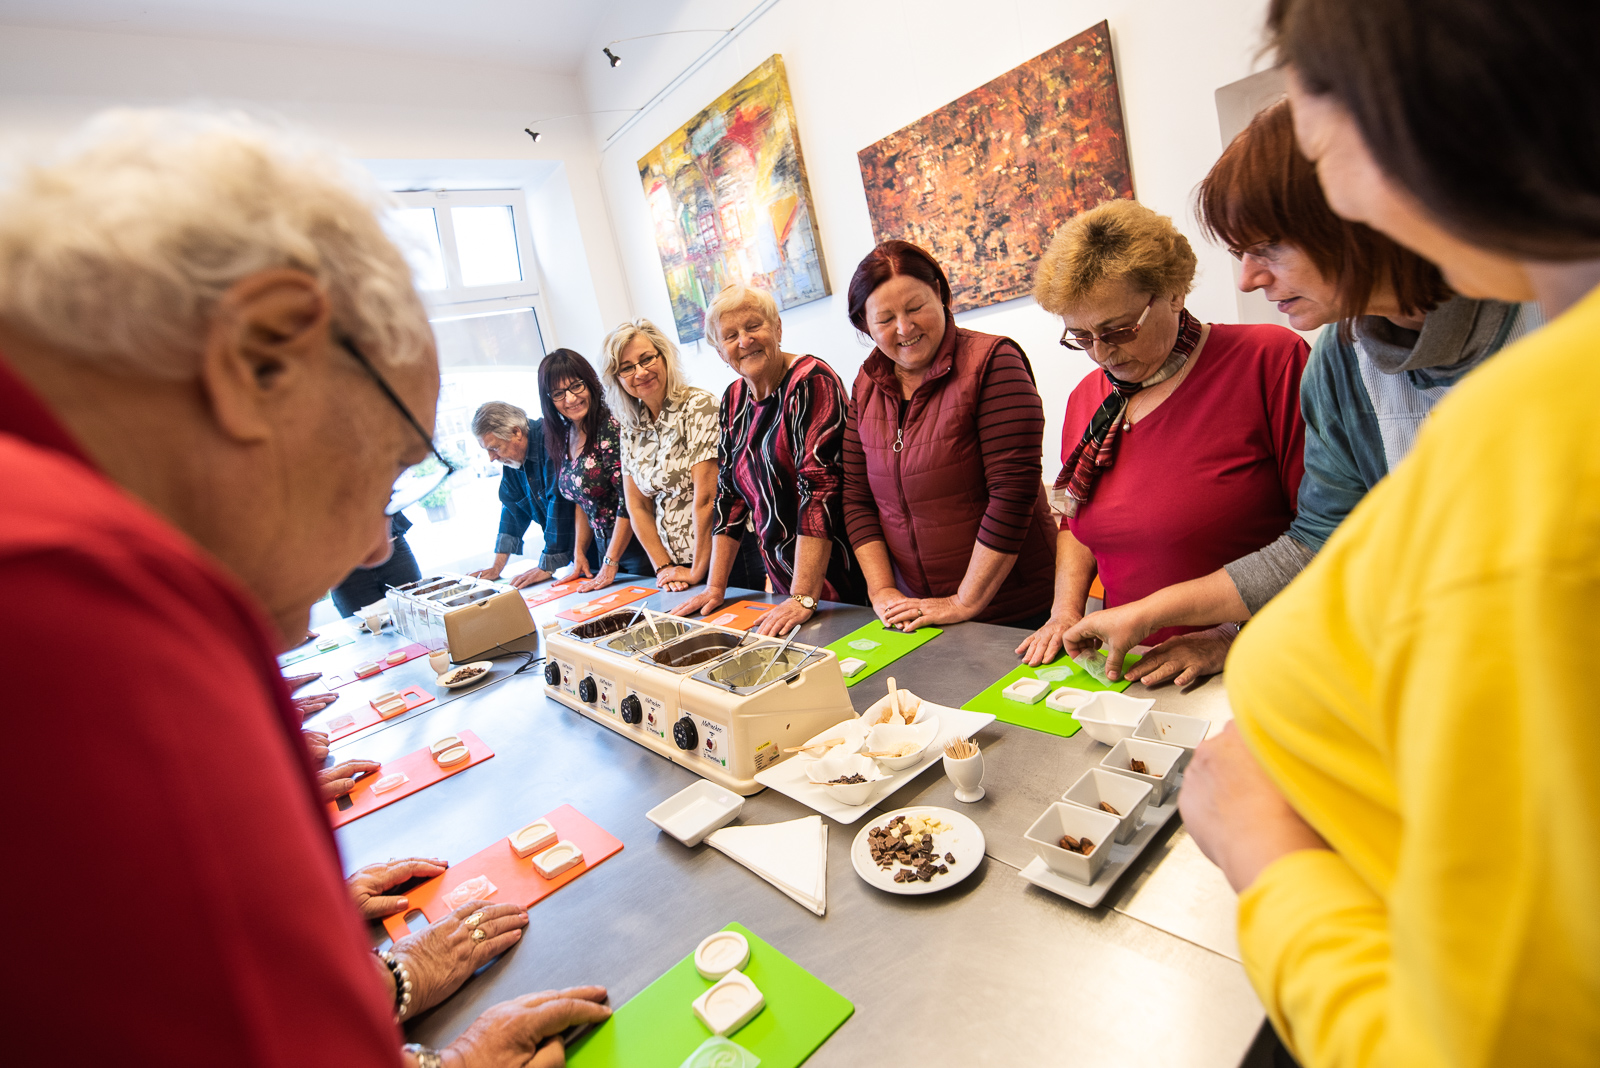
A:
529,577
317,744
1185,658
525,1032
341,778
1236,814
784,617
914,612
1048,642
884,600
1117,630
675,578
294,682
607,575
441,957
578,570
705,602
310,706
368,885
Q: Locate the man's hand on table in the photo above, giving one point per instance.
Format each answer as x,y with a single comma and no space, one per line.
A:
442,957
529,577
524,1032
368,885
341,778
705,602
1236,814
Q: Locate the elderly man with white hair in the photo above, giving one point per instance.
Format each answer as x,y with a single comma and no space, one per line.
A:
213,368
528,493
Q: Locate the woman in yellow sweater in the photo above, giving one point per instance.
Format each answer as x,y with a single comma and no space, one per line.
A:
1410,805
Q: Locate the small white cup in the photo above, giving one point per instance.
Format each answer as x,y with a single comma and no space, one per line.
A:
439,660
374,622
967,775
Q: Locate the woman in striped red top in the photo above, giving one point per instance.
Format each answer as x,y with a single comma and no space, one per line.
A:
780,466
944,499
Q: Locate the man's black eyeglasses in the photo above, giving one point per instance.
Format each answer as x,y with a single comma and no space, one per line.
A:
418,480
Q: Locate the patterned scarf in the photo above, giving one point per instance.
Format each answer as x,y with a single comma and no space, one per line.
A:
1097,450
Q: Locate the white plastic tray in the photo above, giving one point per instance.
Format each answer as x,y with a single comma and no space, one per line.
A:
789,777
1041,875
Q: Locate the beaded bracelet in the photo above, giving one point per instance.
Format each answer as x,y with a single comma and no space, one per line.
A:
402,984
669,563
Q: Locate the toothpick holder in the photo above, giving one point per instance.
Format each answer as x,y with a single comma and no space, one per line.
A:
967,775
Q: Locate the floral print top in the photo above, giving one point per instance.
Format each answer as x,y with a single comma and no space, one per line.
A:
593,481
660,456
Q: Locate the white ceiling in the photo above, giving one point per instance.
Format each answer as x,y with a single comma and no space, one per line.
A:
555,36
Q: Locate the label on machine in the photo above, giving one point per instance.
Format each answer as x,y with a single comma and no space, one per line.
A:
766,755
714,744
655,715
569,678
608,693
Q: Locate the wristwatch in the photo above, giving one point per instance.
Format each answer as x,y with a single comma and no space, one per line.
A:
608,562
808,603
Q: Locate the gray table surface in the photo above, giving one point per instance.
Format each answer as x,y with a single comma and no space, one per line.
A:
999,970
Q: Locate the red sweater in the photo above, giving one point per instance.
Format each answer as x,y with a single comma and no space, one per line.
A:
1210,475
967,470
168,810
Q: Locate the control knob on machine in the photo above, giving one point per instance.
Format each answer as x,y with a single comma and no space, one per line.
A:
685,733
632,710
552,674
587,691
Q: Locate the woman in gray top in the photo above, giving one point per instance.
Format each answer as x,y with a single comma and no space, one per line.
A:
1400,342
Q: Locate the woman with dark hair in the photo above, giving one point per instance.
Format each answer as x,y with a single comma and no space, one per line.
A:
944,496
1407,805
1402,342
581,431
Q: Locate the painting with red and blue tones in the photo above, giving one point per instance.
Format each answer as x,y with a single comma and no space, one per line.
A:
984,182
730,202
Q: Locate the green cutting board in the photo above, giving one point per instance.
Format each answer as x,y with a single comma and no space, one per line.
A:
892,645
1038,717
658,1028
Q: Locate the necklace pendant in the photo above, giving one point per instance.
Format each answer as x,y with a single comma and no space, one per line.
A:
1126,426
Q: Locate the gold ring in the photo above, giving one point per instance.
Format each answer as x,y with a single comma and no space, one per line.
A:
479,934
475,919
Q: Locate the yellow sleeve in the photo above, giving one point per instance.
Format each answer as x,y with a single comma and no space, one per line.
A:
1315,942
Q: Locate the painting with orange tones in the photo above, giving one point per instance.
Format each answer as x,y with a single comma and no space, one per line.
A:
730,202
984,182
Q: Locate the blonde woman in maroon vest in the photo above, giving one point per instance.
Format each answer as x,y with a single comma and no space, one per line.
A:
944,501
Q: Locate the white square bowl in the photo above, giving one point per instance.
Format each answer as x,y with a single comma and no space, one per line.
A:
1111,716
1128,796
1062,818
694,812
1162,760
1169,728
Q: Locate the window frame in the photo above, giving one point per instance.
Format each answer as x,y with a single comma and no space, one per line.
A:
456,295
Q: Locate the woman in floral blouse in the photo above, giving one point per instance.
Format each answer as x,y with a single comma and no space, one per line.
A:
669,458
581,431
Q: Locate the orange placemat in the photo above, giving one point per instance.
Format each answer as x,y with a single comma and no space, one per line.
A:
412,651
560,589
605,603
515,878
345,722
741,616
423,771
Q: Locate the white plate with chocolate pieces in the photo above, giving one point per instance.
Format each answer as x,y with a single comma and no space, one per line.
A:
919,850
465,675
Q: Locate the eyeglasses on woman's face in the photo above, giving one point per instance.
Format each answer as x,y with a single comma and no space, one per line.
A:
1084,340
628,370
572,392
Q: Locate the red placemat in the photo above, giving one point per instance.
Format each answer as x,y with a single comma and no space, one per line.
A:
515,878
412,651
741,616
423,771
560,589
606,602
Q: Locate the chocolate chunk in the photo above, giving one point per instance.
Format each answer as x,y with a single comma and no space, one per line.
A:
951,857
1068,842
1104,807
1137,766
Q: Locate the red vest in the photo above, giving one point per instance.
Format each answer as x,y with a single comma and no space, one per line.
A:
931,493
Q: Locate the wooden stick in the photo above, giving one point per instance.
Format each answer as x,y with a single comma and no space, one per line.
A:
829,744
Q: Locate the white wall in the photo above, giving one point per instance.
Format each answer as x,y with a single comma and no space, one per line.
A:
860,71
445,120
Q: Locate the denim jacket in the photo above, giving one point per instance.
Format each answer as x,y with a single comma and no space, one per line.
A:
528,495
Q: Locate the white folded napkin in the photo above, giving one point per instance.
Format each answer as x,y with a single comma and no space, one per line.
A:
792,856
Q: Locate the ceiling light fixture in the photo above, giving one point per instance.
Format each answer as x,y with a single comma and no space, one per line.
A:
538,135
533,134
616,60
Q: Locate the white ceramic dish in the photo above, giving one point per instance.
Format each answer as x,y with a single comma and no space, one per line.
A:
853,731
1122,855
1162,760
728,1004
887,737
1110,717
536,837
876,709
449,741
399,656
1068,699
789,776
1168,728
821,773
488,669
1026,691
851,666
721,952
694,812
557,859
964,841
1127,795
1062,819
449,758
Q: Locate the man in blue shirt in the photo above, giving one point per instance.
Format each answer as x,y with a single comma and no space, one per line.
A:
528,492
